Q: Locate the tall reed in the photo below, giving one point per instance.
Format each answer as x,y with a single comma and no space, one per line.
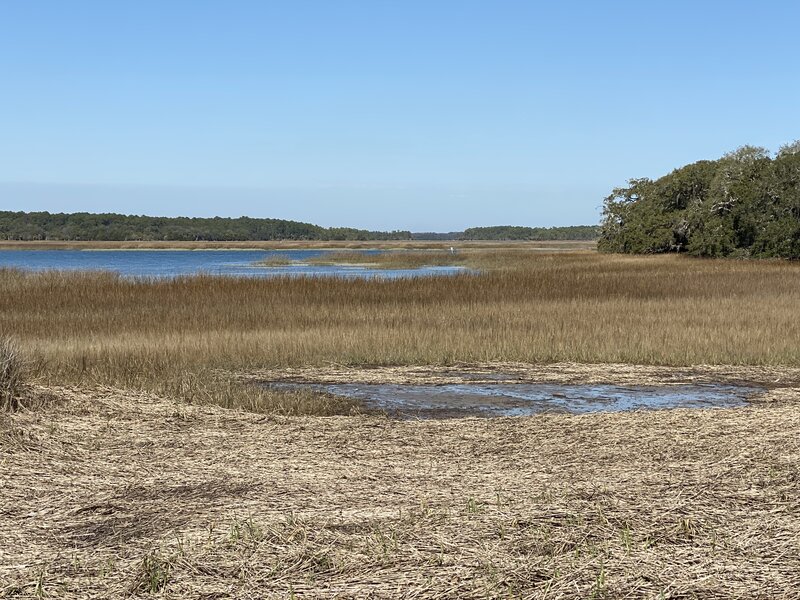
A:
11,375
528,306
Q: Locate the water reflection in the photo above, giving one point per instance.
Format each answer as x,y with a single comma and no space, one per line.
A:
172,263
519,399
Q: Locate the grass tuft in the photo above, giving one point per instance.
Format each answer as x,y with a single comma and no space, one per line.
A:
12,376
396,259
153,576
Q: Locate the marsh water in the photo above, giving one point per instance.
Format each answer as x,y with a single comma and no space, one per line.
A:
173,263
521,399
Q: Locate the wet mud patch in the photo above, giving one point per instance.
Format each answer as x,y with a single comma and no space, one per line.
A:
504,398
562,373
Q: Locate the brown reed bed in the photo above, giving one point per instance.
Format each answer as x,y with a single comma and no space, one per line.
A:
109,494
12,376
400,259
476,257
174,337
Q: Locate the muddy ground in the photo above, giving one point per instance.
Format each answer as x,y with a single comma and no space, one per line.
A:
109,494
777,382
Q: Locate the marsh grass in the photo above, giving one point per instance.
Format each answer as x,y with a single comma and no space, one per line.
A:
275,261
477,258
396,259
154,574
176,336
213,387
12,378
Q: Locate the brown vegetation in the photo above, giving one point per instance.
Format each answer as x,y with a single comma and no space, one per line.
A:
110,495
175,336
486,258
398,259
275,261
11,375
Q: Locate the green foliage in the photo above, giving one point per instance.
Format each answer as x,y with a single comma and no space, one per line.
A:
746,204
510,232
113,227
153,576
38,226
437,236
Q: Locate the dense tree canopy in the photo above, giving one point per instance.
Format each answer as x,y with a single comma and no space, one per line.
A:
113,227
745,204
37,226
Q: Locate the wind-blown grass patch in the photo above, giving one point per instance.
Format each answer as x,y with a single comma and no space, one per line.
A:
175,336
274,261
12,378
397,259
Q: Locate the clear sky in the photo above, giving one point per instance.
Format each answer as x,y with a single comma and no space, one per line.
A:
423,115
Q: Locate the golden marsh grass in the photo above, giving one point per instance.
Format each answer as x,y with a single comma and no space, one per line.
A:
169,335
400,259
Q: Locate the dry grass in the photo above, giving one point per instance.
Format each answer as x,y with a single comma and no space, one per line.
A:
12,378
275,261
173,336
480,258
108,495
484,257
397,259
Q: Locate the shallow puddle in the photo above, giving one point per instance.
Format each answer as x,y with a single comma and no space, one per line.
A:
520,399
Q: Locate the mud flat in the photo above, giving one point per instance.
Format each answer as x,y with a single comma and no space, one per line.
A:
505,399
515,389
773,378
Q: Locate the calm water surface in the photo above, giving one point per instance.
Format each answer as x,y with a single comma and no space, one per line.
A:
521,399
172,263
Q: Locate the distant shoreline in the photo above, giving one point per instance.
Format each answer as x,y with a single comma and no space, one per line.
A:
556,245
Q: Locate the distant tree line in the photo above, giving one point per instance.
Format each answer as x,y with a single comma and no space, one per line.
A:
37,226
510,232
746,204
436,236
114,227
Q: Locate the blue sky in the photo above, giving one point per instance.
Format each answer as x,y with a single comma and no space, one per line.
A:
422,115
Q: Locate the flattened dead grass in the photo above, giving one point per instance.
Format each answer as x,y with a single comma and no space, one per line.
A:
112,495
